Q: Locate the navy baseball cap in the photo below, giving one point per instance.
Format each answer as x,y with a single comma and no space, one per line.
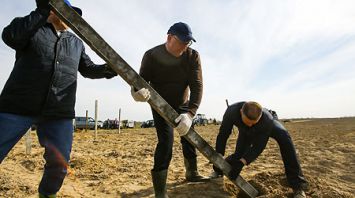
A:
77,10
182,31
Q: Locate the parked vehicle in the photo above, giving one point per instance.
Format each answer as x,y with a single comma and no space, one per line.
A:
80,123
200,120
100,124
148,124
127,124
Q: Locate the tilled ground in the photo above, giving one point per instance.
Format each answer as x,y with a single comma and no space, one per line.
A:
118,165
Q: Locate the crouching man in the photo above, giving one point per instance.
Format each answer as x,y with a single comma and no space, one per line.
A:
255,125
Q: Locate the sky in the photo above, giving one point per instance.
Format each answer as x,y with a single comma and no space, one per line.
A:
296,57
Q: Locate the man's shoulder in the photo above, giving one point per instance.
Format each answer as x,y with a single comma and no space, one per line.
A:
157,52
156,49
192,53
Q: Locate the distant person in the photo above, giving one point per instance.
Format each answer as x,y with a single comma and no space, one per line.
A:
116,124
41,88
174,70
256,125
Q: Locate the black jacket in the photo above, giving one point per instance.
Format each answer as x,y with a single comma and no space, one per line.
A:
251,140
44,78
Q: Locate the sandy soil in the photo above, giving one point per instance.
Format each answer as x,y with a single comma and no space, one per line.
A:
118,165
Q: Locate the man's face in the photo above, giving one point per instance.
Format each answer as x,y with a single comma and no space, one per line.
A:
247,121
176,45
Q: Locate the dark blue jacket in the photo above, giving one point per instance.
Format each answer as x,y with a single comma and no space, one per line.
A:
44,78
251,140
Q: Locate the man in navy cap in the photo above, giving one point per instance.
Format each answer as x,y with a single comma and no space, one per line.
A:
174,71
41,88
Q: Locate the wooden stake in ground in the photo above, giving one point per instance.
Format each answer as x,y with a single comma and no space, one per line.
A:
86,121
96,110
119,121
28,141
116,62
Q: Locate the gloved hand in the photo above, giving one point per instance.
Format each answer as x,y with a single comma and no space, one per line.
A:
109,73
185,122
43,6
141,95
237,166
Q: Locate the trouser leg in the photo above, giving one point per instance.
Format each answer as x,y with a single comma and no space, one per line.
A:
12,128
164,148
188,150
289,157
56,136
190,157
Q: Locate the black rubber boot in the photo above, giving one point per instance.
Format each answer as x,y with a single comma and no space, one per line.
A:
159,183
192,174
46,196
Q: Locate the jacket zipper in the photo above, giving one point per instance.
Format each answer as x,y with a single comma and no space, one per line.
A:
53,75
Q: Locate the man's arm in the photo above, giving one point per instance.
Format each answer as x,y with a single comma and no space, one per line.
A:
146,70
242,145
225,130
18,33
90,70
258,145
195,84
260,138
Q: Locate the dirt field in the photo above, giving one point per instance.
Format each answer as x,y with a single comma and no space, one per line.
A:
118,165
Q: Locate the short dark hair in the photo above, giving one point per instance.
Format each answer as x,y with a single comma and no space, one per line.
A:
252,110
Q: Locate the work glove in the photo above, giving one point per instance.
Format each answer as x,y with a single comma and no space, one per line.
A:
184,123
141,95
43,6
236,165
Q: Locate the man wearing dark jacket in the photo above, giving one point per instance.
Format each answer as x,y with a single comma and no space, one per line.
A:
256,125
41,88
174,70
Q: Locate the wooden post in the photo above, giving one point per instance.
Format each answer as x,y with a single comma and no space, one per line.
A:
119,121
28,141
96,109
86,121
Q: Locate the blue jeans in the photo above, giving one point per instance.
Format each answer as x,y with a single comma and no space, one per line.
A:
55,135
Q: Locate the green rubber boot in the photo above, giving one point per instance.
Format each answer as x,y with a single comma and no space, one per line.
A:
47,196
159,183
192,174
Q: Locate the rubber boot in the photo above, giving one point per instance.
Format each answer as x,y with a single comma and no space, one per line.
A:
192,174
299,193
47,196
159,183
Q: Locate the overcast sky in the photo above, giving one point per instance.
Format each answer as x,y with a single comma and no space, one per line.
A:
294,56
